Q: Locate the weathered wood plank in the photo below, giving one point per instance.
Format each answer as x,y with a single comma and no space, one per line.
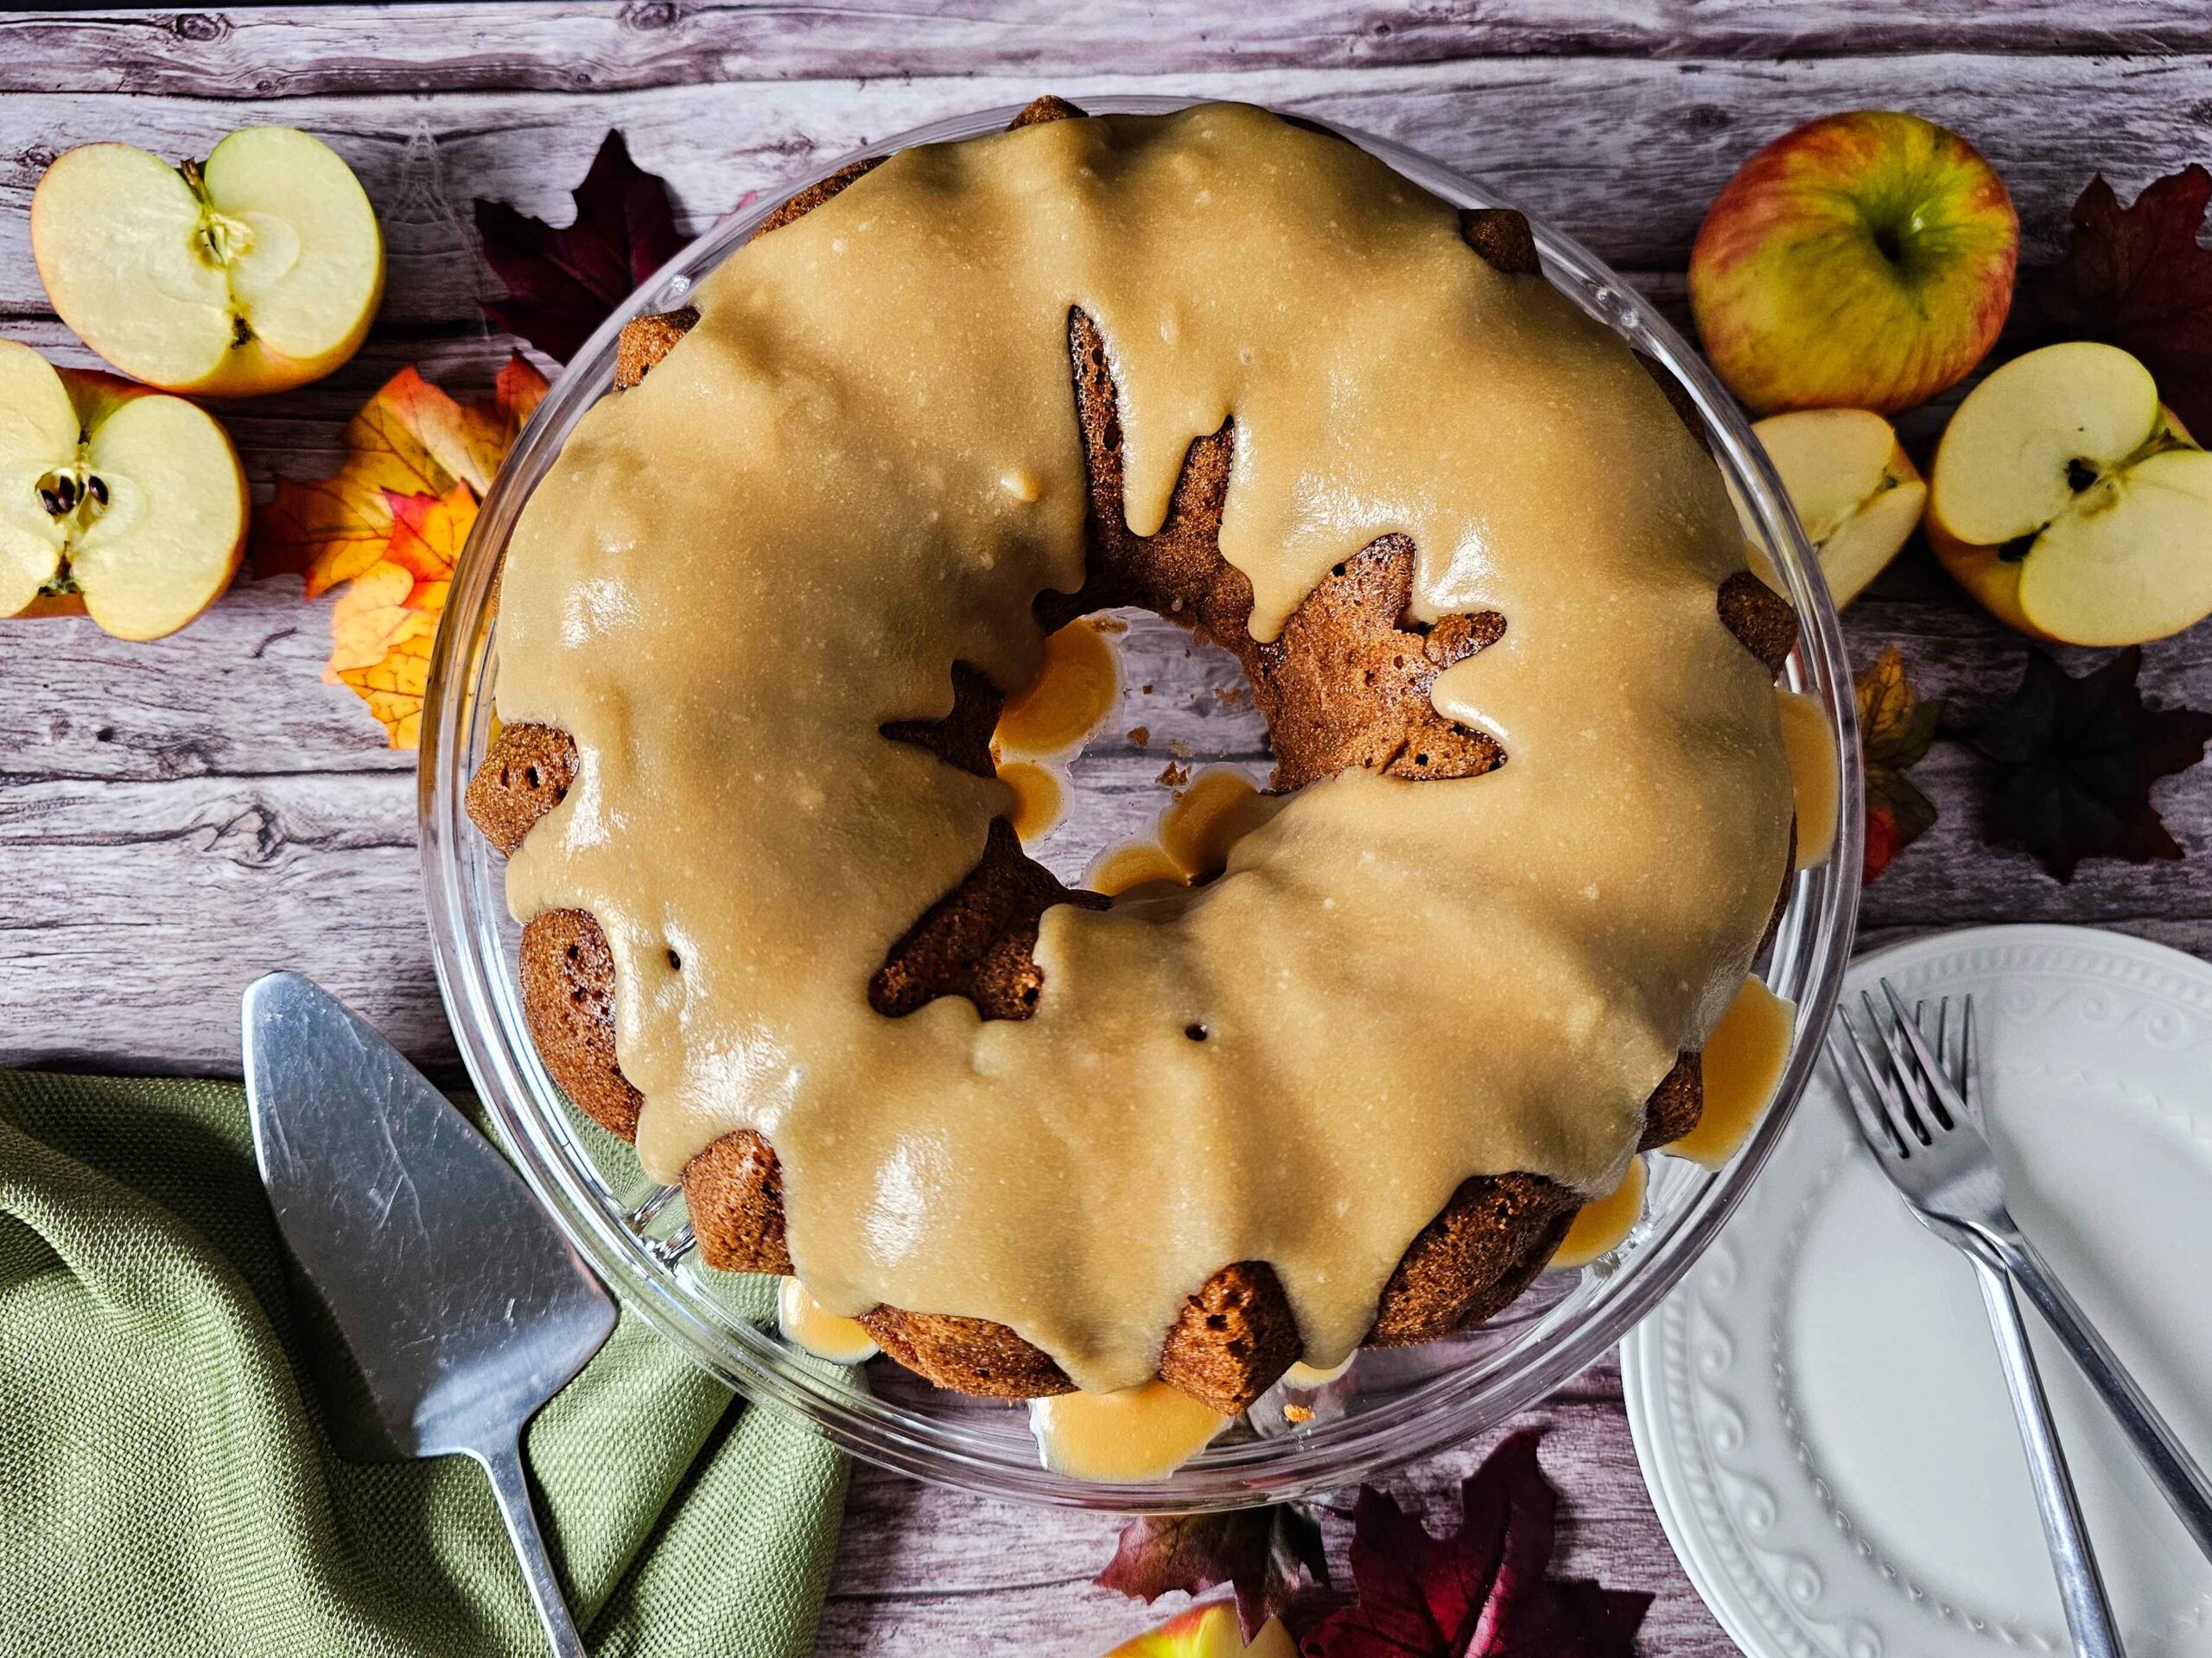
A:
567,48
1950,878
139,911
916,1564
176,818
1623,154
237,694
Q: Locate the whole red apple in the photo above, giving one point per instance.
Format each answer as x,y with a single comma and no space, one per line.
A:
1862,261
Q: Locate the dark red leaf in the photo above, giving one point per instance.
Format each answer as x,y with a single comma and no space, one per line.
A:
1481,1592
2136,277
563,283
2075,760
1262,1552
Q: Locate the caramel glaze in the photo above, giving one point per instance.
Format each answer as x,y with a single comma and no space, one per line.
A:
857,467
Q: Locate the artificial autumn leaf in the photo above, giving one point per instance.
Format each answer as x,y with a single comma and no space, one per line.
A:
410,439
2138,278
1896,724
382,624
393,685
369,615
563,283
517,390
2075,760
427,535
1481,1592
1261,1552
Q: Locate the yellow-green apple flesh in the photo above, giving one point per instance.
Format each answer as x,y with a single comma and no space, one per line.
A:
2072,502
114,500
1856,491
254,270
1862,261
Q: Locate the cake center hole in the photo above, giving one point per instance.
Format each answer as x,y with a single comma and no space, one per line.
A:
1183,714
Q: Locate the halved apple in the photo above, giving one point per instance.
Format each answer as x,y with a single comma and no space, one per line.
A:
1856,491
114,500
257,270
2073,503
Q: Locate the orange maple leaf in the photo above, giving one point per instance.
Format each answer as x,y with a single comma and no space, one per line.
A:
410,439
390,525
393,685
382,624
367,617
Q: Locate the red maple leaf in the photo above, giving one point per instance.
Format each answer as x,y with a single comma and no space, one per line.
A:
1481,1592
563,283
2138,278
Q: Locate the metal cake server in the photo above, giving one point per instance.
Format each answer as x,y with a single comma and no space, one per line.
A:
462,1307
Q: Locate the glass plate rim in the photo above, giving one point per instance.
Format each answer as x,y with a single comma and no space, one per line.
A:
1810,952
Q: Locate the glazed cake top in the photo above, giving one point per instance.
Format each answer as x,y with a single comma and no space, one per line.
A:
863,464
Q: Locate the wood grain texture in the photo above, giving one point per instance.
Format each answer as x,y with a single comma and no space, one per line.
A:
291,52
177,818
1558,135
915,1567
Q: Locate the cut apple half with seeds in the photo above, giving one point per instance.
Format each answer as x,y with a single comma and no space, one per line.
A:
2074,505
257,270
1856,491
114,500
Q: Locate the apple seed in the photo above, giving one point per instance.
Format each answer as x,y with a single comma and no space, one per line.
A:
57,494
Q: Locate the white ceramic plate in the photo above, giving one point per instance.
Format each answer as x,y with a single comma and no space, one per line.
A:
1818,1408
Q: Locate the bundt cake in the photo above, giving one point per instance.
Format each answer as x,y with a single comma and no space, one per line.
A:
756,627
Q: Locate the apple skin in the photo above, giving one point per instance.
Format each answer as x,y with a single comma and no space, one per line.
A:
1860,261
96,396
1208,1629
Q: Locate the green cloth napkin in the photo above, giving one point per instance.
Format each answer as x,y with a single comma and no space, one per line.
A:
166,1486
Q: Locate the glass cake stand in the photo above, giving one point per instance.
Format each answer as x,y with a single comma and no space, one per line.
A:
1393,1406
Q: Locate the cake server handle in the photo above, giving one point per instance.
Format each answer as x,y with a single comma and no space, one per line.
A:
2166,1459
502,1460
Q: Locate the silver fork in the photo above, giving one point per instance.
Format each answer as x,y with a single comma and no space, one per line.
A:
1969,1196
1921,1116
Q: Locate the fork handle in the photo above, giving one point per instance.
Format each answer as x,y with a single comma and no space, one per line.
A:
2169,1462
2088,1613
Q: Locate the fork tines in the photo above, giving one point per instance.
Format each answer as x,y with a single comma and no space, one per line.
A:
1924,1090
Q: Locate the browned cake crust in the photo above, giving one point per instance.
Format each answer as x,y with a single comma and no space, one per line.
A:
1345,684
734,1193
1494,1234
1232,1339
644,341
1675,1105
978,940
526,773
971,1356
568,997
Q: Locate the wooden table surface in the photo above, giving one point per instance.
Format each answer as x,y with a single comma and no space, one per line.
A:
178,817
